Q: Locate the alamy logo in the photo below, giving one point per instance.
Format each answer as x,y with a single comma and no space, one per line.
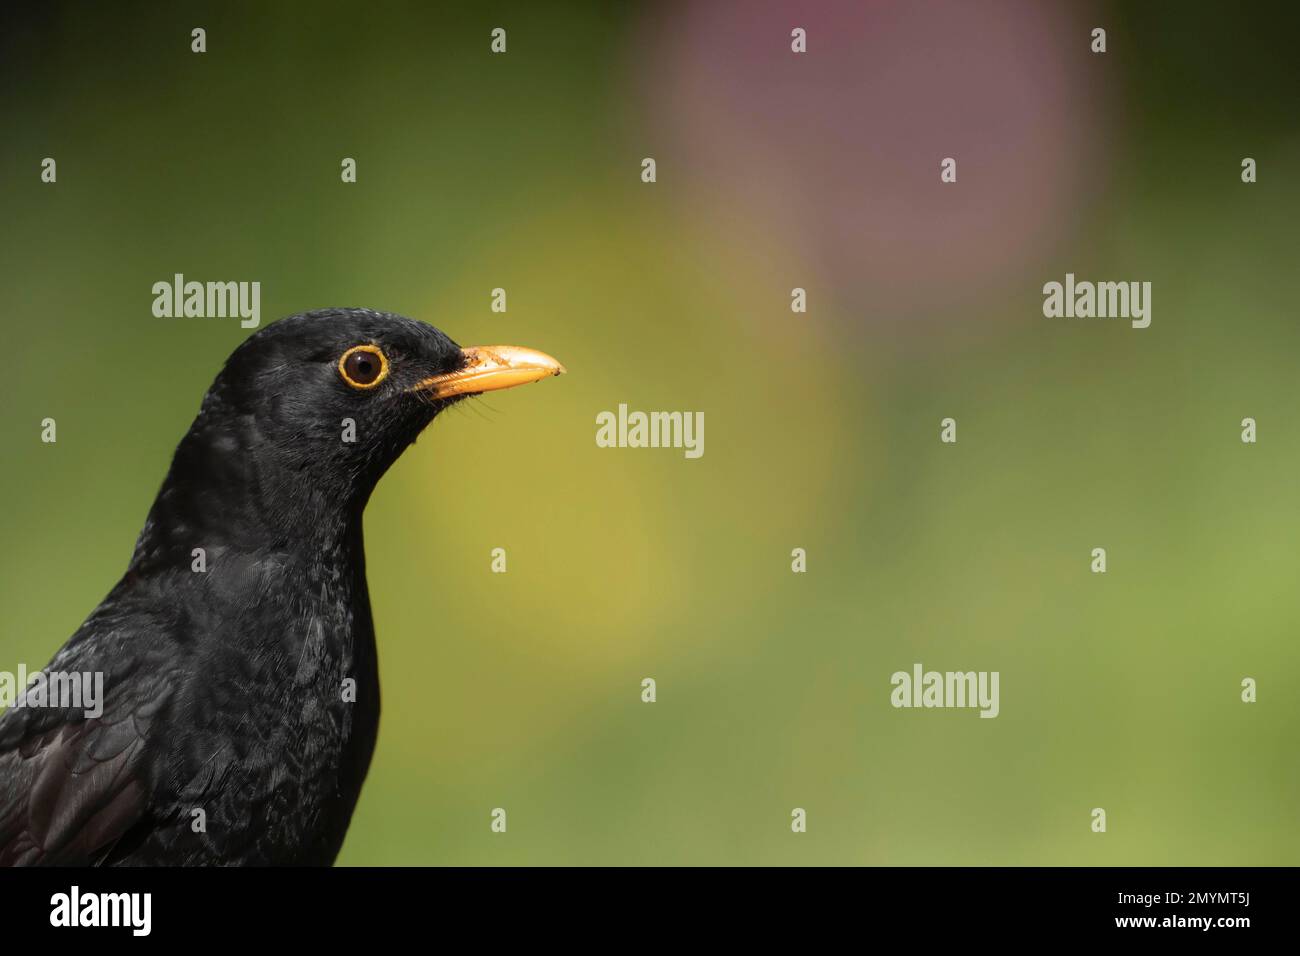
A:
75,908
1102,300
58,690
951,689
651,430
208,300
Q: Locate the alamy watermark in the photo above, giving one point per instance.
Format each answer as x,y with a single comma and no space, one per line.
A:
922,688
1101,300
60,690
626,429
208,300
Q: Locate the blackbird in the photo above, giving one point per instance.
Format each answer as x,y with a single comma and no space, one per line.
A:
241,688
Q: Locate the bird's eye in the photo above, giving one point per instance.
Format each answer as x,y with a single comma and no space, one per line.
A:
363,366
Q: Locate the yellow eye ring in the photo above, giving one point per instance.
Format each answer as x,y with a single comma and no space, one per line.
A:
358,367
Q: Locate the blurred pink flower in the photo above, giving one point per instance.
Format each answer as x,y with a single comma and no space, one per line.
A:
837,151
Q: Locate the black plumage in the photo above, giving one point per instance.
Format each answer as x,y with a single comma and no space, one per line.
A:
224,689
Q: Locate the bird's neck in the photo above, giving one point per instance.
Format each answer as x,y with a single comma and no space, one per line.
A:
227,493
179,523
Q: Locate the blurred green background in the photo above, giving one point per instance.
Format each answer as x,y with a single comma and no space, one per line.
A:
522,171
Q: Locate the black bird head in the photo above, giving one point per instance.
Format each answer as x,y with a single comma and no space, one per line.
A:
305,418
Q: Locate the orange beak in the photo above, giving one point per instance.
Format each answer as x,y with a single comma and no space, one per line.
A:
491,367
